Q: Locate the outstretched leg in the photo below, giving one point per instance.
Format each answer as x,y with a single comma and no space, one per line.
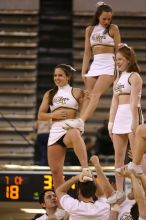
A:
102,84
89,85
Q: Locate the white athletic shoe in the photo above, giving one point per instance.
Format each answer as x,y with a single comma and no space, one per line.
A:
136,168
117,195
74,123
87,178
86,175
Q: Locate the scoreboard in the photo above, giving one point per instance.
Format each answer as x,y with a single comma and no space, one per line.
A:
27,185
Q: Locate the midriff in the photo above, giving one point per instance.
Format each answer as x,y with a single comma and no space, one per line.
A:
125,99
102,49
70,113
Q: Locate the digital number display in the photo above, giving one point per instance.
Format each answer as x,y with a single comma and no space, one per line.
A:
27,187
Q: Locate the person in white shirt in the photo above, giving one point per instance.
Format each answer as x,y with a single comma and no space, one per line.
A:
85,207
48,201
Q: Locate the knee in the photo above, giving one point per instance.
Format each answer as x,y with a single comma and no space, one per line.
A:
95,94
74,133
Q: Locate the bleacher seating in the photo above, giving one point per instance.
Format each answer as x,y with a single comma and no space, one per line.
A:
18,74
133,31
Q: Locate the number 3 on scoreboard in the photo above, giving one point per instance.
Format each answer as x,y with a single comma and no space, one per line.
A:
47,182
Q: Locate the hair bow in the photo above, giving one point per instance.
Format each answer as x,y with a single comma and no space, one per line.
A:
123,45
100,3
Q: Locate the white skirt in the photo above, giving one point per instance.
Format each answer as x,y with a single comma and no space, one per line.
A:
123,119
56,132
103,64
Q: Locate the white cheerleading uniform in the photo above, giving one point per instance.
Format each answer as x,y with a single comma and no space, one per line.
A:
103,64
125,208
123,119
62,99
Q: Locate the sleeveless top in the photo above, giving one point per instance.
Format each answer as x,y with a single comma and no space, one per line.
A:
123,86
64,99
99,37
